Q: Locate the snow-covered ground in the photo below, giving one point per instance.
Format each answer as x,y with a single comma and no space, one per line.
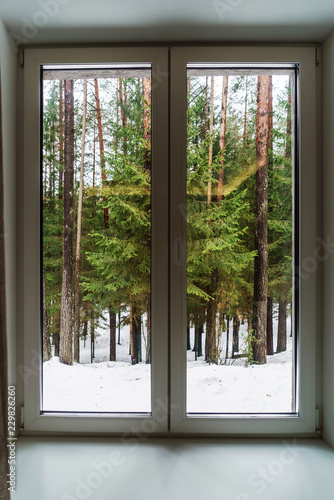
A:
105,386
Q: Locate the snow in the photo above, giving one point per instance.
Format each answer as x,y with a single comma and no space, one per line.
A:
105,386
240,389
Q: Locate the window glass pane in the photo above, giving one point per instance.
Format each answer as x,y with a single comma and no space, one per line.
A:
240,258
96,238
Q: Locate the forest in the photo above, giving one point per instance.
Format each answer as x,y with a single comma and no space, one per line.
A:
96,195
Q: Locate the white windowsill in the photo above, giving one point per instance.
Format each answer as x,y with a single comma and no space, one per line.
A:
52,468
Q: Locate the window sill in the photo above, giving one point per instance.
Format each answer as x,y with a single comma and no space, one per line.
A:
239,469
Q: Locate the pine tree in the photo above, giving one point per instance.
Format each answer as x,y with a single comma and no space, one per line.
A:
78,242
66,352
261,234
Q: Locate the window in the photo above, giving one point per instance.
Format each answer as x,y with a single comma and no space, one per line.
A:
204,122
111,269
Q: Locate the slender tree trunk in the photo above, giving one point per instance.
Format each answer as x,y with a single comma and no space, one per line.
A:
227,336
261,236
281,332
137,329
199,339
46,336
119,329
147,100
102,156
85,331
66,351
236,325
56,334
78,245
270,334
270,339
249,317
56,339
92,338
188,337
195,349
112,327
211,137
198,336
50,180
133,333
210,334
222,138
210,338
61,142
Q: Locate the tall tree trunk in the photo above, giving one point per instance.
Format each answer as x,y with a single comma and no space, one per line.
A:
92,338
210,334
210,337
236,325
261,236
46,336
137,332
195,349
281,332
78,245
198,336
270,334
147,100
249,317
61,142
199,339
119,328
188,336
66,351
222,138
211,137
85,331
102,156
56,334
112,327
133,333
227,336
270,339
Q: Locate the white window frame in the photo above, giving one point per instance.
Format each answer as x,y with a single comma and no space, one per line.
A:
99,422
304,421
169,250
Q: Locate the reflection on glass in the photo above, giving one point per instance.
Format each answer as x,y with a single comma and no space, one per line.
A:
96,202
240,241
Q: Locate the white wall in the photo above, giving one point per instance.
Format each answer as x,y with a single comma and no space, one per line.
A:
8,63
328,235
